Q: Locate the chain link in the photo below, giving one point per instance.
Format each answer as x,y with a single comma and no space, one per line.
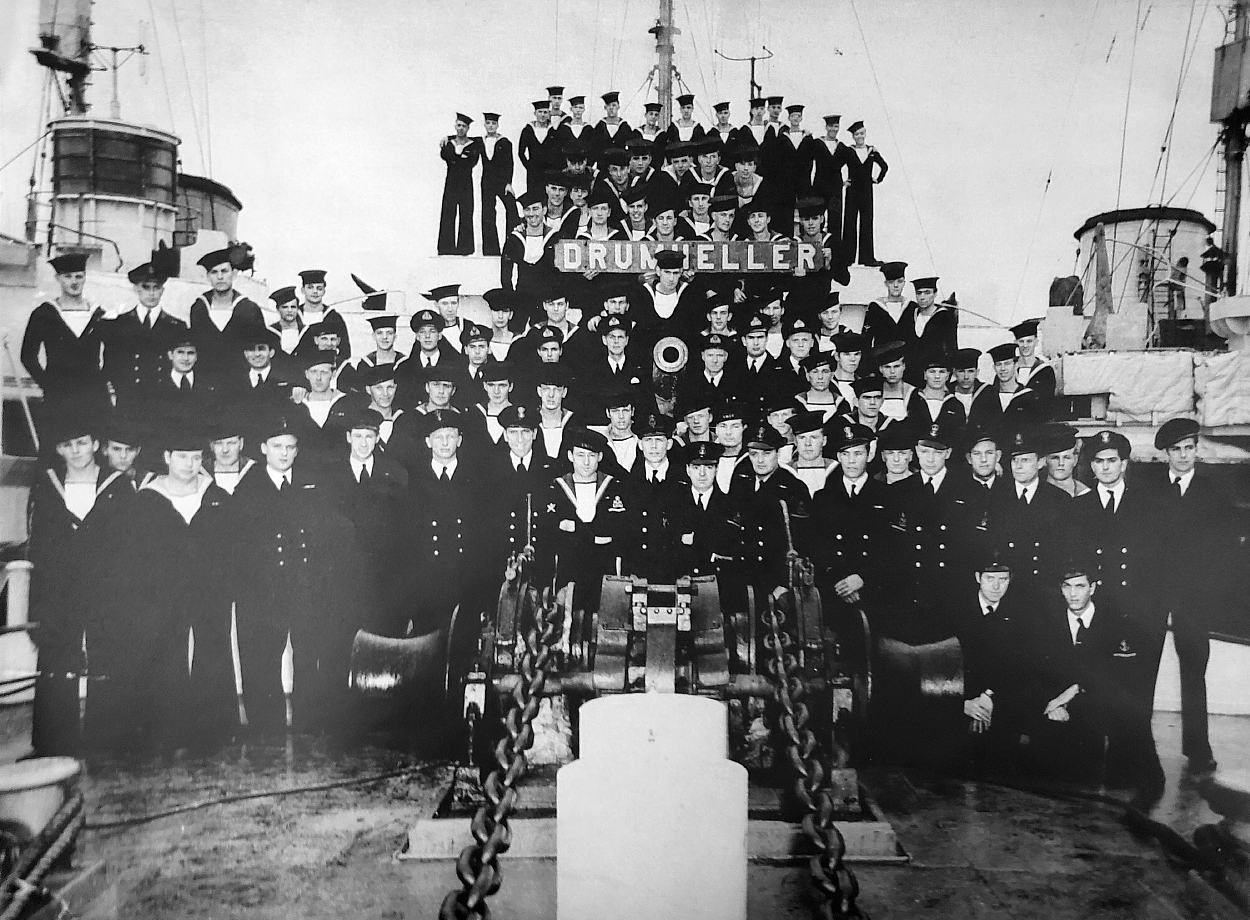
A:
834,886
478,864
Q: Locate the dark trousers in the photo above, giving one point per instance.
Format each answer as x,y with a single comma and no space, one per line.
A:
212,690
1193,650
321,648
857,226
262,638
456,239
490,229
55,729
833,215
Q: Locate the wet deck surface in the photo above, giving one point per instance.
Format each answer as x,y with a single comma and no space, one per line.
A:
978,849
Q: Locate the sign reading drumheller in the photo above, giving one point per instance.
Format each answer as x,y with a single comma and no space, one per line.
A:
636,257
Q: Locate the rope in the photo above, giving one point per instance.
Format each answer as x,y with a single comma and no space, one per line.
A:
872,69
1165,150
1064,122
17,156
620,39
156,40
262,794
594,49
698,60
646,83
1128,96
186,70
208,112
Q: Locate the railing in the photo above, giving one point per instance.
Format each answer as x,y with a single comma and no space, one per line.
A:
83,233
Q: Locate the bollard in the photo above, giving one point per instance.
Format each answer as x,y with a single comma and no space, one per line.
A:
651,821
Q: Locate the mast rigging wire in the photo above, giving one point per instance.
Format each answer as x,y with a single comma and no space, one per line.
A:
1058,139
186,71
872,69
17,156
208,112
160,56
698,60
620,39
1128,96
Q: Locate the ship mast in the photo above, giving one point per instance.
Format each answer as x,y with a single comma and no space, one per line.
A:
1228,109
664,32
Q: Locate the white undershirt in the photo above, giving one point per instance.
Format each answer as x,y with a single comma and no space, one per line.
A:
80,498
584,500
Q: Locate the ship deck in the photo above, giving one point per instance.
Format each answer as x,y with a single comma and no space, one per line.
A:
977,849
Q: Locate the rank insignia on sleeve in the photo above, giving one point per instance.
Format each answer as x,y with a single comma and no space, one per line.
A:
551,507
617,504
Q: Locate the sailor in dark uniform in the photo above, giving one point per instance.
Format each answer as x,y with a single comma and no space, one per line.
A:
933,401
326,409
658,484
584,522
722,134
136,341
859,161
76,511
1116,522
807,460
925,555
1192,574
728,431
250,381
651,131
884,316
538,147
551,386
452,518
70,372
1084,663
757,497
455,226
185,389
1029,519
496,184
684,127
1004,401
228,464
431,350
527,265
123,436
991,624
821,168
289,325
850,522
965,386
927,326
384,335
612,131
521,474
708,169
756,131
705,539
291,577
215,338
371,490
318,320
1033,371
171,578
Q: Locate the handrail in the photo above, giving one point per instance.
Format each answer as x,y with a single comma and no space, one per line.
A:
104,239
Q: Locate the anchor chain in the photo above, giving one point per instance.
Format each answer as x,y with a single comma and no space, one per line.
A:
834,886
478,864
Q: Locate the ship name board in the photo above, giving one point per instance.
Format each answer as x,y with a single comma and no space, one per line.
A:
638,256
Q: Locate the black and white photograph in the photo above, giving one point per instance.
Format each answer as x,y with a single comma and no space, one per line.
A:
616,459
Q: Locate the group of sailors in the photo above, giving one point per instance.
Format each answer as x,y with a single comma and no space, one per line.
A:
657,182
240,464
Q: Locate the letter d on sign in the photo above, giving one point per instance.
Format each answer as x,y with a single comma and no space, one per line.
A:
570,256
